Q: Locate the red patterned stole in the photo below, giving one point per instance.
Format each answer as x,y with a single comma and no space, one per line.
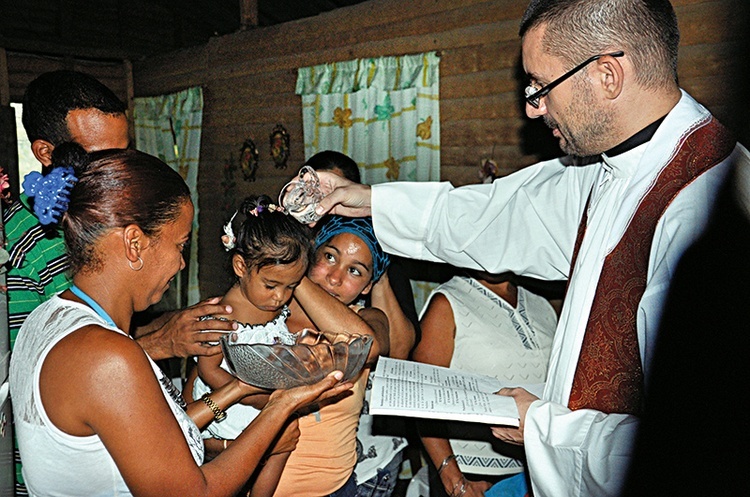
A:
609,375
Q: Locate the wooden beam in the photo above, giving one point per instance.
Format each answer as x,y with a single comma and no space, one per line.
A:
127,67
248,14
58,49
4,78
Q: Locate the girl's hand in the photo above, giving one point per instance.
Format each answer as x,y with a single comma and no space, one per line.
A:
287,439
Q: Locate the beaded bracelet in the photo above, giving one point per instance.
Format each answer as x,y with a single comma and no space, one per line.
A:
445,462
219,414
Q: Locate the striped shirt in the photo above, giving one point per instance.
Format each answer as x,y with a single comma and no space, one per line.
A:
38,264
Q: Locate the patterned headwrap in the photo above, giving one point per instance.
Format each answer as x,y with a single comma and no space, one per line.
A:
362,228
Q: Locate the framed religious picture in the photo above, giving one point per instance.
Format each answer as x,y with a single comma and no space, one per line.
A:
279,146
249,160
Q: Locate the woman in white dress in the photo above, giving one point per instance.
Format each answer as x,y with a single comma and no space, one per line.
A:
481,323
94,415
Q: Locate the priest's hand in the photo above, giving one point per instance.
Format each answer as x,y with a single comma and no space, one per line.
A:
343,197
523,400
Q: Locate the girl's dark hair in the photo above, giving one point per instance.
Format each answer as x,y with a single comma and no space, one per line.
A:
115,188
328,160
268,236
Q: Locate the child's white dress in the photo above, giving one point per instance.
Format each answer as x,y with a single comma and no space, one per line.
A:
240,415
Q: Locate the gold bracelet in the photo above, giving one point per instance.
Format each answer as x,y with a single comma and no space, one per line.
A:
219,415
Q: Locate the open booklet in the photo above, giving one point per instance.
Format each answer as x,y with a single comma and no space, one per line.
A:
413,389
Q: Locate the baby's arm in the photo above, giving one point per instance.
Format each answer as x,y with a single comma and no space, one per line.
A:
210,371
213,375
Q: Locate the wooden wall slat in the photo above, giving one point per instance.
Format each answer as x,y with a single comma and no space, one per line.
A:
478,84
487,56
710,22
24,68
501,106
163,73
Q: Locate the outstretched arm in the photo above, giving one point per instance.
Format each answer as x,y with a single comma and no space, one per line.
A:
183,334
328,314
98,382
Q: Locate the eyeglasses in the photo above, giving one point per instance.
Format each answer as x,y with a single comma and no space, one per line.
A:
533,95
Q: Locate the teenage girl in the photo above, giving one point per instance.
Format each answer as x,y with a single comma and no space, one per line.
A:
348,263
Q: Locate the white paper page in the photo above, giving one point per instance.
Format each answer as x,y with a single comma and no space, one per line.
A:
413,389
435,375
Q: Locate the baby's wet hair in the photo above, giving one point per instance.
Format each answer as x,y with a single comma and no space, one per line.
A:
268,236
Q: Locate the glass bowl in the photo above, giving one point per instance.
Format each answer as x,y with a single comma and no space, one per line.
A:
313,355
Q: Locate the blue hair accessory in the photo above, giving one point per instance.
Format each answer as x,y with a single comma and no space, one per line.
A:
51,193
362,228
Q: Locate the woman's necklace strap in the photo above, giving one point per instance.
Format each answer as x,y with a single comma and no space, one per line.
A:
93,304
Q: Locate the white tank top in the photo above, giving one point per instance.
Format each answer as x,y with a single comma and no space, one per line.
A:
495,339
54,462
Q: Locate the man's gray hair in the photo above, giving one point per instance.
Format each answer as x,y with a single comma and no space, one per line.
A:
646,30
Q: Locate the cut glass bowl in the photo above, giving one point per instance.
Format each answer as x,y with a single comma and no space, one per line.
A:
313,356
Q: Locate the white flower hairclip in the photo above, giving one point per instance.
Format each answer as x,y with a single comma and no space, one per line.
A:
228,239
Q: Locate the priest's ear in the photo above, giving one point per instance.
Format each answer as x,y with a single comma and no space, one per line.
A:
610,73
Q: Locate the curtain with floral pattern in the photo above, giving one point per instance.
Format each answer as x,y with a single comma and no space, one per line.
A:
382,112
169,127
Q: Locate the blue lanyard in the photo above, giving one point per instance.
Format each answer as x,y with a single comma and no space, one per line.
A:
92,303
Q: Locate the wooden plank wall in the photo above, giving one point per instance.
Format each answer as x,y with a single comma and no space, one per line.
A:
249,79
24,68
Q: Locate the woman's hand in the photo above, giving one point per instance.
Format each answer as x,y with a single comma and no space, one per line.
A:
247,389
297,397
183,334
